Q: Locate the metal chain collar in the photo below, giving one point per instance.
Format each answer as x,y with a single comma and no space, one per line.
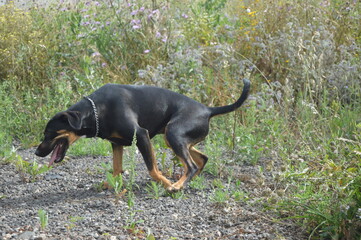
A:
96,116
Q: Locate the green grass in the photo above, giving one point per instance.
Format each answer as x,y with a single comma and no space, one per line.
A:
86,146
303,59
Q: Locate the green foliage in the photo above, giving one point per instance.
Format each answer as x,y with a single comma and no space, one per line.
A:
32,169
72,222
43,218
115,182
155,190
219,196
90,147
23,48
198,183
177,195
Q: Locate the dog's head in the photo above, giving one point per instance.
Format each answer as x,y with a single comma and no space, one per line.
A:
59,134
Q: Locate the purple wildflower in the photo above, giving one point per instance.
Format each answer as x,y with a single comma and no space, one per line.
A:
146,51
184,15
135,22
95,54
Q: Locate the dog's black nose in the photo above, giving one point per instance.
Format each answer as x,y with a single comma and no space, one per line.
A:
40,153
37,152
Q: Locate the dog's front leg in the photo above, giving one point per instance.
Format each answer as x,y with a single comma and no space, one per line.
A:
117,162
117,159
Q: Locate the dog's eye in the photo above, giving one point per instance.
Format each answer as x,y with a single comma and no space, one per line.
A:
50,135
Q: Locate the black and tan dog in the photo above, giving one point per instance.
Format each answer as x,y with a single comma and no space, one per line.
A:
115,112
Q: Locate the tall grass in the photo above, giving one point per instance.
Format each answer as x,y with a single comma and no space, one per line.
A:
303,58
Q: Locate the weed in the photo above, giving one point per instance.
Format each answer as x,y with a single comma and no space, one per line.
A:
217,183
33,169
177,195
72,222
239,195
106,167
155,190
199,183
43,218
132,159
219,196
116,183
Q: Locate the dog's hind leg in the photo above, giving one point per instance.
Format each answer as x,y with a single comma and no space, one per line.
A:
181,149
146,149
199,158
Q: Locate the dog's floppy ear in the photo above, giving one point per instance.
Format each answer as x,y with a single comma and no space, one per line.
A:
73,118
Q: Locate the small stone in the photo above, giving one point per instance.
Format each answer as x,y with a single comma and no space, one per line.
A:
27,235
40,237
52,176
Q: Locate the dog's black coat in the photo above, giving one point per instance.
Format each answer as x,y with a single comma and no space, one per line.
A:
146,111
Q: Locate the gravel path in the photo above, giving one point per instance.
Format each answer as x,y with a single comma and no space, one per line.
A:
77,210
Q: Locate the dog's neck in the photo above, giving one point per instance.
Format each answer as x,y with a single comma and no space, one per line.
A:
90,121
96,116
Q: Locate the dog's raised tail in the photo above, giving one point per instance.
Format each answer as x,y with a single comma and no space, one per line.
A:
229,108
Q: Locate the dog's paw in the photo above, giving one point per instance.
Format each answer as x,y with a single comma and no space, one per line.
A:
106,186
174,188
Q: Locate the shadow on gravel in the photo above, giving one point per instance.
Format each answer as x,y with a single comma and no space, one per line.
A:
46,199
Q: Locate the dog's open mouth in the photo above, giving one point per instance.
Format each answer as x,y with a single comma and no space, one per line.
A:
59,151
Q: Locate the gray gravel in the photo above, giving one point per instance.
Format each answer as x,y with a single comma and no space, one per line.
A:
77,210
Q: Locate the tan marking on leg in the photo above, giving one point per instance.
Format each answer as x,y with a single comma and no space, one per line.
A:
180,183
158,176
117,163
198,159
117,159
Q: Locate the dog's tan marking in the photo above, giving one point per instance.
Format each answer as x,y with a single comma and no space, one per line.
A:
116,135
158,176
180,183
198,158
117,163
117,159
71,136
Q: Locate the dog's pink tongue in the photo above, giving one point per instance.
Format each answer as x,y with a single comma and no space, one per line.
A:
54,155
